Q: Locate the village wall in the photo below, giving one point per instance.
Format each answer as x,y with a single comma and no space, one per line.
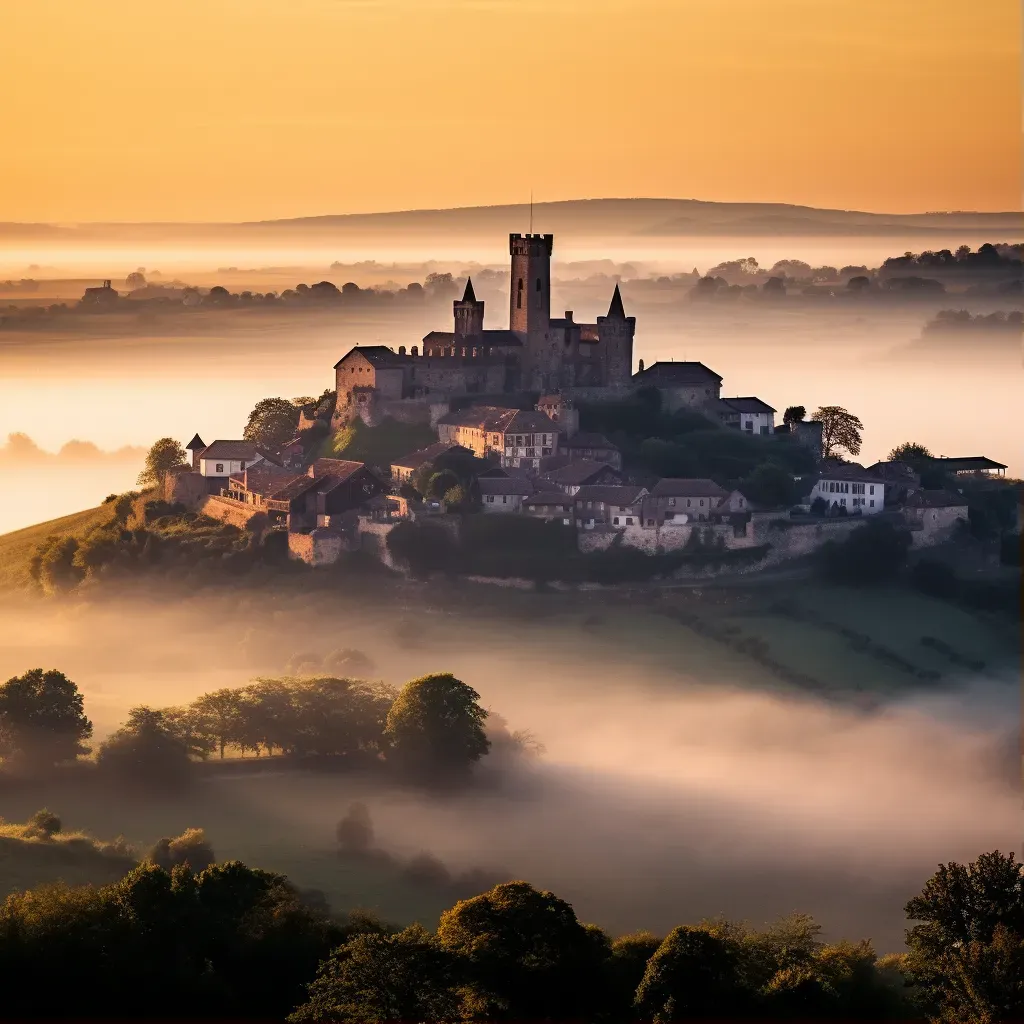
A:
318,547
187,488
372,537
227,510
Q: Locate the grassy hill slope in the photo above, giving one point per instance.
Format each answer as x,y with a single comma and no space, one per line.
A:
16,548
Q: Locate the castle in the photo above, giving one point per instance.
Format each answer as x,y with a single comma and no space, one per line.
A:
535,352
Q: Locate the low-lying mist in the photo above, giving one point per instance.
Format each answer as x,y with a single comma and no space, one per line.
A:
667,792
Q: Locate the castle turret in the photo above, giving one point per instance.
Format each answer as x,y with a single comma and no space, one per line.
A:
196,447
469,314
615,332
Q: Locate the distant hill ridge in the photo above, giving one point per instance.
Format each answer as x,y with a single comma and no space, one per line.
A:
652,218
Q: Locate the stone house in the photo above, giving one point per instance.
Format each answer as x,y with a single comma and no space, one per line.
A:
679,500
574,475
219,461
684,385
750,415
936,512
614,505
548,504
590,446
849,486
503,493
441,454
518,437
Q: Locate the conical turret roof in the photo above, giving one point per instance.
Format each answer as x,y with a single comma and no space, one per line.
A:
195,443
615,309
470,295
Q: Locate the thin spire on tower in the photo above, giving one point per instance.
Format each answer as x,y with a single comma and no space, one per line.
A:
470,295
615,309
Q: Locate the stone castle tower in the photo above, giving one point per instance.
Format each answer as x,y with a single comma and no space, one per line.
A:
530,286
616,331
469,313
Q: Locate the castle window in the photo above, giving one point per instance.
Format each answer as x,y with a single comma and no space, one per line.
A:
538,284
519,295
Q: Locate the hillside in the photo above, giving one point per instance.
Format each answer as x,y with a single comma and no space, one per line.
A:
576,218
16,548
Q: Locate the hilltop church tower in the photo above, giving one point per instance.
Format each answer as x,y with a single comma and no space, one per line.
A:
615,332
469,314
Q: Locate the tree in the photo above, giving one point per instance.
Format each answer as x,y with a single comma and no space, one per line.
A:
967,951
219,716
794,414
527,956
272,422
379,979
145,752
136,279
355,830
165,455
42,718
912,453
436,725
693,974
626,967
840,431
858,284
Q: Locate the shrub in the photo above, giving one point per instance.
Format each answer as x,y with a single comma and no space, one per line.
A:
190,848
44,824
873,553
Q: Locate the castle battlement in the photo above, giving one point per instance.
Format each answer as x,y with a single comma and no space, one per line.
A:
534,353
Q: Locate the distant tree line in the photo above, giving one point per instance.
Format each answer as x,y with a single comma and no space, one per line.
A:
432,728
180,937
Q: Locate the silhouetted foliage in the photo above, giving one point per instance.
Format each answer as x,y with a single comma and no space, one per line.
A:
145,752
42,719
873,553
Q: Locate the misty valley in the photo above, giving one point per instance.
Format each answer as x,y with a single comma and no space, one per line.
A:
514,678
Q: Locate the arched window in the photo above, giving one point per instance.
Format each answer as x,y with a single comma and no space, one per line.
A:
519,295
538,284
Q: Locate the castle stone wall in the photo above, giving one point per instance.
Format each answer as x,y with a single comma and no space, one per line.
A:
319,547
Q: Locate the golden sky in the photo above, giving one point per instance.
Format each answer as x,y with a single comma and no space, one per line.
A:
251,109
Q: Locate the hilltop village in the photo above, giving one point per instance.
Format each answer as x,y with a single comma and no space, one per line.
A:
508,409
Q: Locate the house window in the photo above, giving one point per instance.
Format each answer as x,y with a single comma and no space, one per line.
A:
241,465
671,502
687,502
872,491
504,499
629,521
616,520
701,502
872,502
219,468
490,499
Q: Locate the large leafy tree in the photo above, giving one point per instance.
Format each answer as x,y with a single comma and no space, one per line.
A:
218,717
967,949
436,725
42,718
272,422
840,431
527,955
165,454
912,453
378,979
693,975
147,751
